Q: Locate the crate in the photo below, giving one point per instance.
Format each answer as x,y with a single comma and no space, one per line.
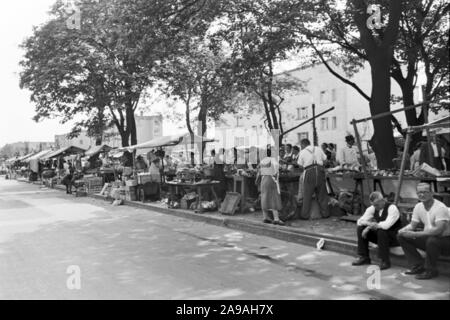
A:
131,193
144,178
230,204
130,196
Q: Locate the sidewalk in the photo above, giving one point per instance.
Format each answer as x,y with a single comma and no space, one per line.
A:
339,236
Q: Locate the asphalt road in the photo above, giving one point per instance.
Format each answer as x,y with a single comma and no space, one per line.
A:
54,246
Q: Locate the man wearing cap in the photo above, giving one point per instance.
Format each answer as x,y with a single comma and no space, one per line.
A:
379,224
434,239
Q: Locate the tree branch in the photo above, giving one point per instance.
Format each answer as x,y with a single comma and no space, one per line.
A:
346,81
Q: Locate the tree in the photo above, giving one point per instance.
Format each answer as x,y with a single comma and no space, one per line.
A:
256,45
100,70
423,39
333,37
199,79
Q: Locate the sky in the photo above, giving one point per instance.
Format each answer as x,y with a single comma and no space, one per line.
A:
17,19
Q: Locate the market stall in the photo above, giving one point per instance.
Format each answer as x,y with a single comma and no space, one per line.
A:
35,165
440,179
103,167
55,170
145,182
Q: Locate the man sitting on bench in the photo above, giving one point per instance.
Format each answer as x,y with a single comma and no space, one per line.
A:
434,239
379,224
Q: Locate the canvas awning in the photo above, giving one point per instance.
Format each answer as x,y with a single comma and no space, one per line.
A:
98,149
22,159
12,160
38,156
67,151
167,141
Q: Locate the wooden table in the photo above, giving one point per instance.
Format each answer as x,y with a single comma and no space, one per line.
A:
199,187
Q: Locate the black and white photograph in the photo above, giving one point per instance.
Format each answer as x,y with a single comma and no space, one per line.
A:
224,155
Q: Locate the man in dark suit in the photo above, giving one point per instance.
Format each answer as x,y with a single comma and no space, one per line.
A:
379,224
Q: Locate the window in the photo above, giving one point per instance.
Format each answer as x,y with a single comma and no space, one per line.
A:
303,113
323,96
323,124
302,135
239,141
334,123
333,95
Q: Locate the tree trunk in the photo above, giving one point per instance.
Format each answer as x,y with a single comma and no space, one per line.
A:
131,123
125,137
202,117
411,115
383,138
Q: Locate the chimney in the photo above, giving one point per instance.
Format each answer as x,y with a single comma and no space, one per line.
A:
142,113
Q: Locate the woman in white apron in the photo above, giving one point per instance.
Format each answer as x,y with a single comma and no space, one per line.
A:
270,189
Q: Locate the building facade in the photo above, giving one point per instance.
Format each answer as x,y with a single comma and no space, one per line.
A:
324,90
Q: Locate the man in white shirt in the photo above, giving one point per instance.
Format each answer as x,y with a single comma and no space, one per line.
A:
379,224
348,157
312,181
434,239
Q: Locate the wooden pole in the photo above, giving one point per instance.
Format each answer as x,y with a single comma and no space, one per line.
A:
427,130
384,114
307,121
363,160
403,167
315,137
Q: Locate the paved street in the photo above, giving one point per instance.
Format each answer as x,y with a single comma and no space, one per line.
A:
127,253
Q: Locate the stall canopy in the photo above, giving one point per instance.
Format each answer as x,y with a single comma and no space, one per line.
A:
67,151
98,149
167,141
445,128
38,156
11,160
24,158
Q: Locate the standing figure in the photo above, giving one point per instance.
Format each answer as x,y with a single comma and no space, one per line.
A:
270,188
348,157
313,180
67,180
